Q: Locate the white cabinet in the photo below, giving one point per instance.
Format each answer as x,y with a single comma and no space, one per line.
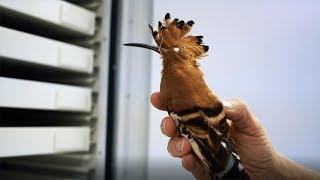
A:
56,12
50,129
16,93
20,46
18,141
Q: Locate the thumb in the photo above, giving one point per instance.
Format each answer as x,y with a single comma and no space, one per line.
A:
242,119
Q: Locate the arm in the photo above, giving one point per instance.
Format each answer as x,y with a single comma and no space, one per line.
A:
288,169
257,154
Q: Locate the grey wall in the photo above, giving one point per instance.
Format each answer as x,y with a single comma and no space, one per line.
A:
267,53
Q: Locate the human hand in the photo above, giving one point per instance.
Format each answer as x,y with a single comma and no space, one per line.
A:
254,147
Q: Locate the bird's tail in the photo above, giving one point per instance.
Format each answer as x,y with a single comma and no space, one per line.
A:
211,144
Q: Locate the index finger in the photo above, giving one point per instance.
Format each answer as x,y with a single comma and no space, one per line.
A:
155,101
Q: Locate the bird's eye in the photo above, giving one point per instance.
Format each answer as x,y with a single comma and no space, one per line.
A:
176,49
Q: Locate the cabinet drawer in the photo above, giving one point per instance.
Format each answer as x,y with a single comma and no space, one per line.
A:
27,94
25,47
56,12
19,141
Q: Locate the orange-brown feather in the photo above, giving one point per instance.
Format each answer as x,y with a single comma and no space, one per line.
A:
182,84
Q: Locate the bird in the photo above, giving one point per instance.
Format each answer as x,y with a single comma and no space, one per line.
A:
197,111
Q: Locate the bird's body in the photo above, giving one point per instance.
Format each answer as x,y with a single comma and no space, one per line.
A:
190,98
197,111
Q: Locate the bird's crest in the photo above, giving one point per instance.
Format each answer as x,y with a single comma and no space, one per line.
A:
172,36
174,42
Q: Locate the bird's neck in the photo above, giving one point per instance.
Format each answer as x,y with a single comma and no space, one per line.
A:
170,67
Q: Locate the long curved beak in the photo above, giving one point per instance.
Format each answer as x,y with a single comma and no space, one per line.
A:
153,48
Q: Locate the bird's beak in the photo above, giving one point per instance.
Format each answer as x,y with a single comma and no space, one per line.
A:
153,48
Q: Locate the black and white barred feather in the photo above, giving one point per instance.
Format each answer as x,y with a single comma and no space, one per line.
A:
210,141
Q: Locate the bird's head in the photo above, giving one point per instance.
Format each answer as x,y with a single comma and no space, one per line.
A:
173,41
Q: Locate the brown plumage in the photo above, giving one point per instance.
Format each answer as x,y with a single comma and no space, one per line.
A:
197,111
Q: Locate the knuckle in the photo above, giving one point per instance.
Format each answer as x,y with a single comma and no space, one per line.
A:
239,102
186,146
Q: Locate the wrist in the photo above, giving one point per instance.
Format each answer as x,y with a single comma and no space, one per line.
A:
287,169
273,171
281,167
277,169
267,168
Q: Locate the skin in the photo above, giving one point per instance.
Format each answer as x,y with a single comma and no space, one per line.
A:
255,149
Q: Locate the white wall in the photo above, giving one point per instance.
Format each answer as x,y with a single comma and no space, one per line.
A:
267,53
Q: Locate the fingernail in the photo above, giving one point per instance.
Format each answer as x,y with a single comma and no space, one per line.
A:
227,104
179,146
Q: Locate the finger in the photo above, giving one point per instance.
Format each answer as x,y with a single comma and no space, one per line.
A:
168,127
155,101
192,164
179,146
235,109
238,112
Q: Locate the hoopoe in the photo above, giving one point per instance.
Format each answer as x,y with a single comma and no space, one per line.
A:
197,111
